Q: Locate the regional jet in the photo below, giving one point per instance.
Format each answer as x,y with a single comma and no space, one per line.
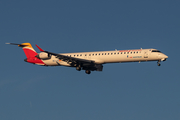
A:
89,61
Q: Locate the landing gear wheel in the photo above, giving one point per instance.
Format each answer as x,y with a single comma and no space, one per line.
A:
158,63
78,68
88,71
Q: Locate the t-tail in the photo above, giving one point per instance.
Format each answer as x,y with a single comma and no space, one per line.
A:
30,53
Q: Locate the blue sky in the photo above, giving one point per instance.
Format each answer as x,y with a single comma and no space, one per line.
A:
128,91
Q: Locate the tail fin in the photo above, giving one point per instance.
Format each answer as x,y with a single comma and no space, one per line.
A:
28,49
30,53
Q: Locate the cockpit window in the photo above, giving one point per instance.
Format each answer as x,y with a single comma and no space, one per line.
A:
156,51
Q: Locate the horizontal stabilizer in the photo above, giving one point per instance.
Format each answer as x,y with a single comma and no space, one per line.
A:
19,45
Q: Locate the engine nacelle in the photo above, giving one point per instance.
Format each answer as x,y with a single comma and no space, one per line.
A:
43,56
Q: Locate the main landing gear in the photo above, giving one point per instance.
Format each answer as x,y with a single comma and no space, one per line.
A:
78,68
87,71
158,63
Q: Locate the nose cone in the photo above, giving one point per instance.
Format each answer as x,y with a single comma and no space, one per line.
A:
166,56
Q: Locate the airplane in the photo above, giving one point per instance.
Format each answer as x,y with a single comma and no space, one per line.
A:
89,61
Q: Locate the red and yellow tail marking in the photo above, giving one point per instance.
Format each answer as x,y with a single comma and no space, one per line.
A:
31,54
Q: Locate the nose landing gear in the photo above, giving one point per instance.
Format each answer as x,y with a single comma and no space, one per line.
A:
158,63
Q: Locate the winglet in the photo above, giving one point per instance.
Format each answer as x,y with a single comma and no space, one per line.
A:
39,48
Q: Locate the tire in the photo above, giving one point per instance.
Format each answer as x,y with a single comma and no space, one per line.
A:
88,71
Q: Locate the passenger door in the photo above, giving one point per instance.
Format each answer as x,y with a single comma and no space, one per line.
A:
146,54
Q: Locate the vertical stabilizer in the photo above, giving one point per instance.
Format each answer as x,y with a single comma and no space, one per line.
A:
30,53
28,50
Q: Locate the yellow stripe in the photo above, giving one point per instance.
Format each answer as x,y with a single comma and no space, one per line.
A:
27,45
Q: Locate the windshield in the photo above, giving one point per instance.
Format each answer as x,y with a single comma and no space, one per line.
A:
156,51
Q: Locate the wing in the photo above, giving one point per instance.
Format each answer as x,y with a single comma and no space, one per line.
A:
72,59
76,62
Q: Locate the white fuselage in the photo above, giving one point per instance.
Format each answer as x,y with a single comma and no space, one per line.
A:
102,57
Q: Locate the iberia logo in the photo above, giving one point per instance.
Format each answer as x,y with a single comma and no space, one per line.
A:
128,56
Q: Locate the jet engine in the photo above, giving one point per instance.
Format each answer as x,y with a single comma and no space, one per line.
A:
43,56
